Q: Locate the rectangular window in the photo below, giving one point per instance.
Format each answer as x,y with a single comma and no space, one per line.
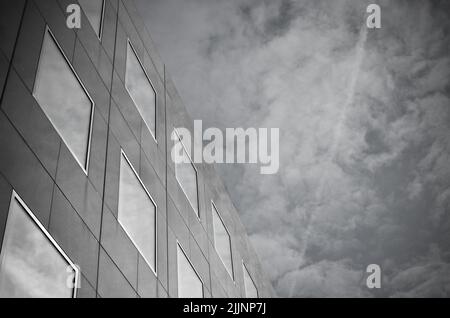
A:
140,89
222,241
189,283
137,212
94,10
249,285
31,262
186,175
64,100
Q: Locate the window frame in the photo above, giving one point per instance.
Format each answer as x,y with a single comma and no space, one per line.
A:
16,198
102,21
102,16
197,212
213,206
251,278
192,266
85,168
151,84
155,270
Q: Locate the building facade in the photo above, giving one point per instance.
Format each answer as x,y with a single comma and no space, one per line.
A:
91,203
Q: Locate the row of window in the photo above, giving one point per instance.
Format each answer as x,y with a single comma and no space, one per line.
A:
32,264
137,215
65,101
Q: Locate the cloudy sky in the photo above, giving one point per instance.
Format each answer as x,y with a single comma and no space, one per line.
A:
364,118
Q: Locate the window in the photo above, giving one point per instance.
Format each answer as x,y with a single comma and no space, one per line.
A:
186,175
140,89
94,12
137,212
249,285
222,241
31,263
189,283
64,100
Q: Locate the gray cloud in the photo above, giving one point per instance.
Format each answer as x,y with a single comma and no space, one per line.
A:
364,168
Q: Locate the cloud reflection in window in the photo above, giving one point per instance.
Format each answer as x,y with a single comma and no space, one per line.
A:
137,213
222,241
94,12
189,284
30,265
63,99
140,89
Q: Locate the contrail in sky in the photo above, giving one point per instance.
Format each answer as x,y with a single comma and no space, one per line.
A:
336,138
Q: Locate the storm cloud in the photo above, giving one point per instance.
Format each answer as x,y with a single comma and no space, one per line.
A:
364,118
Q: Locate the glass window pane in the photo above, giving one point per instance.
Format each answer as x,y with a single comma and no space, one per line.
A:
250,288
140,89
30,265
94,12
187,178
63,99
189,284
222,241
137,213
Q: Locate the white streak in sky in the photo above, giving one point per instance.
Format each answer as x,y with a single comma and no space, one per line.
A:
336,138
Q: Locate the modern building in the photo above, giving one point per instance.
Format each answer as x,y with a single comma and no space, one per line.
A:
91,204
